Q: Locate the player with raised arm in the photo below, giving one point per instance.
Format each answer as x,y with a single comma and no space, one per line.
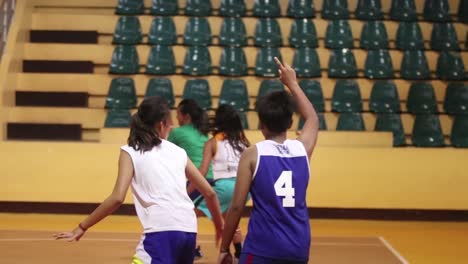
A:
276,173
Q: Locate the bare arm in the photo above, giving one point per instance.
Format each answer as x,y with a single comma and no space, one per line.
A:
310,129
243,183
200,183
208,154
110,204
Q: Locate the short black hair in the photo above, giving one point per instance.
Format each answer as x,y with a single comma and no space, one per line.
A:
275,110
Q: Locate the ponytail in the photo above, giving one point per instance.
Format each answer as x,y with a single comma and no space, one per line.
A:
143,137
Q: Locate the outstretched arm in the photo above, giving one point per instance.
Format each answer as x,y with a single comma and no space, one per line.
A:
310,129
109,205
200,183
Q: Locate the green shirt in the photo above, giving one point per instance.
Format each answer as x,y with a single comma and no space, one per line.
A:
188,138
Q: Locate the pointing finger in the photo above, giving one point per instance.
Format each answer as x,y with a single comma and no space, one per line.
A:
278,62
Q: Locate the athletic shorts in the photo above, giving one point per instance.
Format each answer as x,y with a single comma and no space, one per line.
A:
167,247
247,258
224,189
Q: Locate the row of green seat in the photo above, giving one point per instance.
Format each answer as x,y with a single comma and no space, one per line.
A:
426,130
384,97
268,33
404,10
342,63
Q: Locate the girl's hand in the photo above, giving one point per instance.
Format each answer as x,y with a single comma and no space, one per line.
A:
287,74
74,235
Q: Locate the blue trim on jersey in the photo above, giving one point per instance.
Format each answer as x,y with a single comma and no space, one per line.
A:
275,231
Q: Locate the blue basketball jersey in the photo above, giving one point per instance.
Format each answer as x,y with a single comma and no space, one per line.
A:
279,222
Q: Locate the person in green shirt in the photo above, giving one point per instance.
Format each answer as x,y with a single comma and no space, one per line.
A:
192,132
191,135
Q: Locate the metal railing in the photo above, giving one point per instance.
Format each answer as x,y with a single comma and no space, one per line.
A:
7,9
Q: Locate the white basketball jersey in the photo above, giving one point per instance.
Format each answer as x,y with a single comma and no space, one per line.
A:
225,161
159,189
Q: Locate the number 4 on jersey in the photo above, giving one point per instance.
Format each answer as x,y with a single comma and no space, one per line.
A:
283,187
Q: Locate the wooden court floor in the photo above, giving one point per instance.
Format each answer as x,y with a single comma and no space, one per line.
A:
26,238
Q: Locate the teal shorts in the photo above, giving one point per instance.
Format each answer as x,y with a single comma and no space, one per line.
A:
224,189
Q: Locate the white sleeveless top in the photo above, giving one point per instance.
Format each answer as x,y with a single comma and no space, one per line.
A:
159,189
225,161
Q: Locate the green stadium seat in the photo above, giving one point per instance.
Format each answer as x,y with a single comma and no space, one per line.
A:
267,33
444,37
462,13
268,86
199,8
243,118
346,97
117,118
421,99
322,122
266,8
197,61
350,122
374,36
130,7
335,9
427,131
124,60
122,94
436,10
264,62
338,35
233,32
369,10
306,63
198,90
342,64
409,36
301,9
232,8
162,31
450,66
164,8
197,32
378,65
392,123
456,99
161,61
303,34
414,65
459,134
403,10
234,93
233,62
313,91
127,31
384,98
161,87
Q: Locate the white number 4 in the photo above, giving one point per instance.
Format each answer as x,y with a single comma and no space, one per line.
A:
283,187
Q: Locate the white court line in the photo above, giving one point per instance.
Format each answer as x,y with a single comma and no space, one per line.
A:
200,241
394,251
84,239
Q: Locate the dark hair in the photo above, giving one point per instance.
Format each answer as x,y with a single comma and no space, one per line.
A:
143,137
227,121
275,111
196,113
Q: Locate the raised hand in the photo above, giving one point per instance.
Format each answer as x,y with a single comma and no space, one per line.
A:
287,73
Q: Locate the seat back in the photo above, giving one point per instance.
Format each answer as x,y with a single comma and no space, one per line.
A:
233,62
233,32
161,87
346,97
313,91
161,61
234,93
421,99
198,90
301,9
197,61
197,32
164,7
342,64
414,65
384,98
265,65
306,63
392,123
350,122
374,36
162,31
409,36
369,10
122,94
127,31
303,34
338,35
378,64
403,10
267,33
124,60
427,131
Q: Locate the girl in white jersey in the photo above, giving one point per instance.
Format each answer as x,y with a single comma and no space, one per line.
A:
157,171
223,152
